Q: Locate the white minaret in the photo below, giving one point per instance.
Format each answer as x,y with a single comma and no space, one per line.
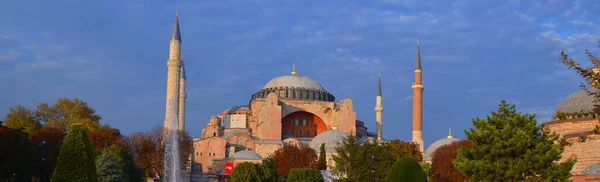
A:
182,97
173,73
378,108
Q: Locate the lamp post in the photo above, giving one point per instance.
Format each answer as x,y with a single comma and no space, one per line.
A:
43,149
373,158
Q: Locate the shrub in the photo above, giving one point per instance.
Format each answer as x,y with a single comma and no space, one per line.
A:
304,175
76,159
244,172
107,168
406,169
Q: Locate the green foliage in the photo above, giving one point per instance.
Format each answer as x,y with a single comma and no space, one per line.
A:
15,155
401,148
509,146
304,175
23,118
245,172
67,112
322,158
124,159
268,170
406,169
354,160
107,168
426,169
76,159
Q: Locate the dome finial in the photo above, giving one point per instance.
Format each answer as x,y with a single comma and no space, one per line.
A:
294,68
335,127
449,133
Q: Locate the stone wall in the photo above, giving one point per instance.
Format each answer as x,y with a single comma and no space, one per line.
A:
586,152
206,150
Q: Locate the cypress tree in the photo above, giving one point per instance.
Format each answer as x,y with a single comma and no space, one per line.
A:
76,159
322,158
107,168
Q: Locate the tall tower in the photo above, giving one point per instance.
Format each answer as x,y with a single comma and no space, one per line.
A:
378,107
182,97
417,87
173,73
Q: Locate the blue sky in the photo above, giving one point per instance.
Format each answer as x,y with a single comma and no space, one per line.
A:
113,55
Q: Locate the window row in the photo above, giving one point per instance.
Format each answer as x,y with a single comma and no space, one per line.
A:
300,133
298,122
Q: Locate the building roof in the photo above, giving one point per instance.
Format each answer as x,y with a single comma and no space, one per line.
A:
428,155
418,59
593,169
294,80
579,100
246,154
331,139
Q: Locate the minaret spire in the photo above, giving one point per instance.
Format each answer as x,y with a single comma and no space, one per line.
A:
294,68
173,77
449,133
417,87
182,97
378,108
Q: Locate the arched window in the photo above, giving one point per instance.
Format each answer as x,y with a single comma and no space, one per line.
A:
248,145
315,133
307,133
239,141
292,132
214,133
299,132
285,132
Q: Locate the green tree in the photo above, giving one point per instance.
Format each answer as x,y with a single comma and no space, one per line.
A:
305,175
362,161
20,117
76,159
245,172
322,158
66,112
268,170
15,155
510,146
401,148
107,168
406,169
426,170
127,167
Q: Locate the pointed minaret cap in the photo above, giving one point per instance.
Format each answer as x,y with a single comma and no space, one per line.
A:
176,35
293,68
449,133
418,63
379,84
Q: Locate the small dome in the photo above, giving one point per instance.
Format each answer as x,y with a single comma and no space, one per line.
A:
331,139
580,100
593,169
294,80
246,154
428,155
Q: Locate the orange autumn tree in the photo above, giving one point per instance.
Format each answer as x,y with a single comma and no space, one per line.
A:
105,137
290,157
441,162
401,148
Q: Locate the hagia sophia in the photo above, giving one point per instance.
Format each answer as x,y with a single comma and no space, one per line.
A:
294,109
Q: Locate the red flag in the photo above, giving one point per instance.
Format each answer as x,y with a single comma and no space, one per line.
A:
228,167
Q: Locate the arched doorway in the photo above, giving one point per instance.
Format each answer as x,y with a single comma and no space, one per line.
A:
302,124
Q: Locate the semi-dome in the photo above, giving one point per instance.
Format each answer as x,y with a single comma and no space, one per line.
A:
331,139
294,80
580,100
428,155
246,154
593,169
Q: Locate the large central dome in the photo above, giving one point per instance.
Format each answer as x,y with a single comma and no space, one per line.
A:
295,87
294,80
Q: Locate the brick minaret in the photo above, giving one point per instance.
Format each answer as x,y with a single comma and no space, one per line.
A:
182,97
173,73
378,108
417,87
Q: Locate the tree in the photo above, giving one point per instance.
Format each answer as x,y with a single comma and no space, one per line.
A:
20,117
245,172
510,146
305,175
76,159
441,163
401,148
129,170
426,169
592,77
362,161
322,158
107,168
290,157
106,136
406,169
15,155
53,138
66,112
268,170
